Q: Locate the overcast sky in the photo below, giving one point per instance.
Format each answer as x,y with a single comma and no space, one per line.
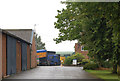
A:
23,14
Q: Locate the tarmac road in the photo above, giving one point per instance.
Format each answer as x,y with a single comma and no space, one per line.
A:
54,72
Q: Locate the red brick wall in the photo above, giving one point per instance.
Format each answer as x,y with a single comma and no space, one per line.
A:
0,55
4,55
78,50
33,54
28,56
18,56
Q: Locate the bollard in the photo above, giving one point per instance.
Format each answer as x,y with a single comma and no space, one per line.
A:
61,65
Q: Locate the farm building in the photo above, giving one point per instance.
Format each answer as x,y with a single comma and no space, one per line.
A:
29,36
17,55
0,54
80,49
14,54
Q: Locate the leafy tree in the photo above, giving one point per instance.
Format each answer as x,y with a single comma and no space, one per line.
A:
96,25
39,43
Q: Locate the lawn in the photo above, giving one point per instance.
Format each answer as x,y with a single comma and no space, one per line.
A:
104,74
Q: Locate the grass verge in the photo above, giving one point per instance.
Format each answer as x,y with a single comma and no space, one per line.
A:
104,74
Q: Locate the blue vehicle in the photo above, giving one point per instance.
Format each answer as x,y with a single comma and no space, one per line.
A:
53,60
41,57
45,57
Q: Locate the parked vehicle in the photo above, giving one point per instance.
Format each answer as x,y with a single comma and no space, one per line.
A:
47,58
53,59
42,57
43,61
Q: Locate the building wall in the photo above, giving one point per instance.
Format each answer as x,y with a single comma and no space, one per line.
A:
18,56
33,54
0,55
28,56
78,50
4,55
10,44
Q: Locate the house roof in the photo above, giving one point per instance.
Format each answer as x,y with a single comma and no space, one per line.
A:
25,34
10,34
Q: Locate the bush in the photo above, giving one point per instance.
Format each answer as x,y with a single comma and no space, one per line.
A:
107,64
79,57
68,61
90,66
85,61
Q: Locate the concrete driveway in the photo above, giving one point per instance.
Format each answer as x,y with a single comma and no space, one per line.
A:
53,73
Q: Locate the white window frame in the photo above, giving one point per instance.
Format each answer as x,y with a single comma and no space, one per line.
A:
82,49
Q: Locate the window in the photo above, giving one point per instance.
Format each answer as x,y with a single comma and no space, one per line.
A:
51,57
83,48
57,57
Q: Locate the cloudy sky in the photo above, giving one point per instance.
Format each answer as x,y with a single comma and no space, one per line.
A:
23,14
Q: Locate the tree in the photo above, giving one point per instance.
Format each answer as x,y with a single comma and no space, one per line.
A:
96,25
39,43
115,19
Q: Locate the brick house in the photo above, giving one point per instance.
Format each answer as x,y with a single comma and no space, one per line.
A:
80,49
17,51
0,54
15,54
29,36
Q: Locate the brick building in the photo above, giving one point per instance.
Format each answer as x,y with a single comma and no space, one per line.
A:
14,49
17,51
0,54
29,36
80,49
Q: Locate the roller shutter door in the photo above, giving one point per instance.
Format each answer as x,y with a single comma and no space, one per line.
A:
11,55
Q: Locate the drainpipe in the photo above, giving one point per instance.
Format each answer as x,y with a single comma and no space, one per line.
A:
30,54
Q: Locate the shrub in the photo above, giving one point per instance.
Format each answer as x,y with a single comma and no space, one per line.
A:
84,61
68,61
79,57
107,64
90,66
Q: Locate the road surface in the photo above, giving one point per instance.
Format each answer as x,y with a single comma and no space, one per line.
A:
54,72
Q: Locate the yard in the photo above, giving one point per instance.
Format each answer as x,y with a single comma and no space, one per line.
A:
104,74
